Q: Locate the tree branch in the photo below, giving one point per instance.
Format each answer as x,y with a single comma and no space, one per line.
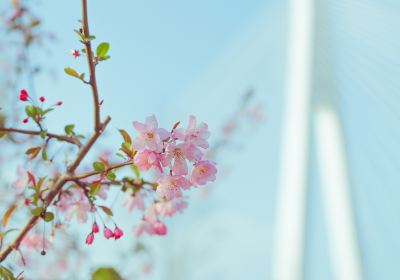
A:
72,140
54,189
92,173
91,64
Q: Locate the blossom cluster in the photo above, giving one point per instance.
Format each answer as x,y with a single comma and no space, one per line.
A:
177,159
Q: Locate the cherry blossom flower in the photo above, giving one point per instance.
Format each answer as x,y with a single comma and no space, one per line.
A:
143,227
170,186
177,154
150,136
171,207
33,241
146,159
194,134
203,172
134,201
20,184
75,203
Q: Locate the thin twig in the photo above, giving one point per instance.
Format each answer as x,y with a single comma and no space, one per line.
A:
54,189
72,140
92,173
91,64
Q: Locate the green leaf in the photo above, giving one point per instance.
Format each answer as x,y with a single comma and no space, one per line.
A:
4,234
135,170
102,49
106,210
94,189
125,135
44,154
106,273
6,274
30,111
104,58
44,112
37,211
72,72
99,166
111,176
33,152
43,134
69,129
90,38
8,214
48,217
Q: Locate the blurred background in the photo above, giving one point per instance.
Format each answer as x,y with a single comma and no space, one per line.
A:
307,189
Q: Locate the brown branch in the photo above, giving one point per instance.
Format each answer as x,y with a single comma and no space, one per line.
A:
92,173
56,186
72,140
54,189
91,64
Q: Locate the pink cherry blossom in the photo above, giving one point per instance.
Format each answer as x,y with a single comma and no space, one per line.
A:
20,184
160,228
177,154
146,159
34,241
118,233
194,134
170,186
108,233
143,227
150,136
134,201
89,238
74,202
203,172
171,207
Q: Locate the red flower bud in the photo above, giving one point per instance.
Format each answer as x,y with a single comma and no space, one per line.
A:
95,228
42,99
23,95
108,233
118,233
25,120
59,103
89,239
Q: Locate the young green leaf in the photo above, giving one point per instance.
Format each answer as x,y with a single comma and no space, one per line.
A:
48,217
37,211
125,135
94,189
8,214
111,176
44,154
30,111
99,166
106,210
72,72
69,129
102,49
33,152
